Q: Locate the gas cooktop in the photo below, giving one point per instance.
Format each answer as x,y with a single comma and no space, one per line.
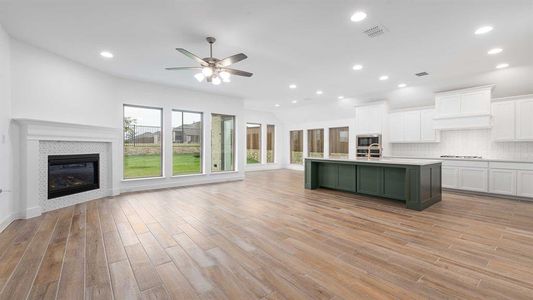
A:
462,156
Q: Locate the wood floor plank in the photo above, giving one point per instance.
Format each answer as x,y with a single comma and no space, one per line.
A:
175,283
155,252
72,282
16,248
124,283
143,269
19,284
97,280
47,280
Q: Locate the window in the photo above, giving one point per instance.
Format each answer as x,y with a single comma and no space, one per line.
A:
142,142
222,143
253,143
338,142
297,145
186,142
315,142
271,135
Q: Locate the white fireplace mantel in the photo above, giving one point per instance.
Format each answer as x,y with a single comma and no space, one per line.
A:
32,132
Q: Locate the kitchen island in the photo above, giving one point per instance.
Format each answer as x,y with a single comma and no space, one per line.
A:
415,182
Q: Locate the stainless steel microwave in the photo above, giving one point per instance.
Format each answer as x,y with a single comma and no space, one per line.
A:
368,139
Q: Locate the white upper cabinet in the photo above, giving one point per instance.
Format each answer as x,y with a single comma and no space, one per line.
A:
476,102
503,121
427,129
412,127
448,105
524,119
464,109
369,119
513,120
396,127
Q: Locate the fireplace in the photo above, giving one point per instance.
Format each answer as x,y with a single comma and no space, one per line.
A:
72,174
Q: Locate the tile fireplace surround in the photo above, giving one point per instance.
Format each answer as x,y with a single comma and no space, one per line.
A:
38,139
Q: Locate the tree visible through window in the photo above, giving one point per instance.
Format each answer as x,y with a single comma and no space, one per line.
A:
315,142
297,145
142,142
338,142
271,135
186,142
253,143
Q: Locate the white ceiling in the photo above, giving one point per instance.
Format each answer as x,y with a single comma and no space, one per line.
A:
311,43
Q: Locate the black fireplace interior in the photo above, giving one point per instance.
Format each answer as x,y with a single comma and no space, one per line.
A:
72,174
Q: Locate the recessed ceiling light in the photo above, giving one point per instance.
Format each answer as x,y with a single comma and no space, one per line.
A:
483,30
502,66
106,54
276,105
319,92
357,67
292,86
294,101
495,51
358,16
340,97
402,85
384,77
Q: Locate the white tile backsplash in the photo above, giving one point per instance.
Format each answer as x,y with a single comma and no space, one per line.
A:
467,142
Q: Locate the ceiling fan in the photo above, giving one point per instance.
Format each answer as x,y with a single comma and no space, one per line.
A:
214,70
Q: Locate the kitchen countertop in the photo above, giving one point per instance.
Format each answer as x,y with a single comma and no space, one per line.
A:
390,161
465,159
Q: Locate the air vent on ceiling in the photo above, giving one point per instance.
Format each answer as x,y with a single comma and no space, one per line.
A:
421,74
375,31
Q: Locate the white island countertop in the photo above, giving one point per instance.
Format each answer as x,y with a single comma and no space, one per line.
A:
389,161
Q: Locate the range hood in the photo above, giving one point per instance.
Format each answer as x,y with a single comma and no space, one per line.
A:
464,109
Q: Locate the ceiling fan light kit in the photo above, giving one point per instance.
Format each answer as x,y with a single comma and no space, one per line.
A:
212,69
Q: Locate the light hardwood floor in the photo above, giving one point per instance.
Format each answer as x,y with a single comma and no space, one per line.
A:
268,238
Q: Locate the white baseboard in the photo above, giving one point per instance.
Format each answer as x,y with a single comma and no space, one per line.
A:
31,212
295,167
7,220
165,184
261,167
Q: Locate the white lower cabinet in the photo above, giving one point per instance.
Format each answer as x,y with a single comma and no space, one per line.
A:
525,183
474,179
450,177
502,181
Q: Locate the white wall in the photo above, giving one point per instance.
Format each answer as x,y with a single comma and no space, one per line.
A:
7,205
48,87
467,142
267,118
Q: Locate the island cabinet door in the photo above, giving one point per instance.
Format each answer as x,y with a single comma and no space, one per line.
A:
347,178
370,180
394,183
328,175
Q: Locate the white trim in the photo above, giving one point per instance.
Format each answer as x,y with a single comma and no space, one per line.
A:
8,220
465,90
174,184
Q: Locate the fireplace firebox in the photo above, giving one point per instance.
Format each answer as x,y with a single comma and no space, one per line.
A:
72,174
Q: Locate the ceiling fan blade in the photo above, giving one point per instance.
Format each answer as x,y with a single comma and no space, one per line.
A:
238,72
192,56
231,60
183,68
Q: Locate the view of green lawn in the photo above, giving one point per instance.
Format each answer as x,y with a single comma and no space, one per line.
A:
149,165
251,160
